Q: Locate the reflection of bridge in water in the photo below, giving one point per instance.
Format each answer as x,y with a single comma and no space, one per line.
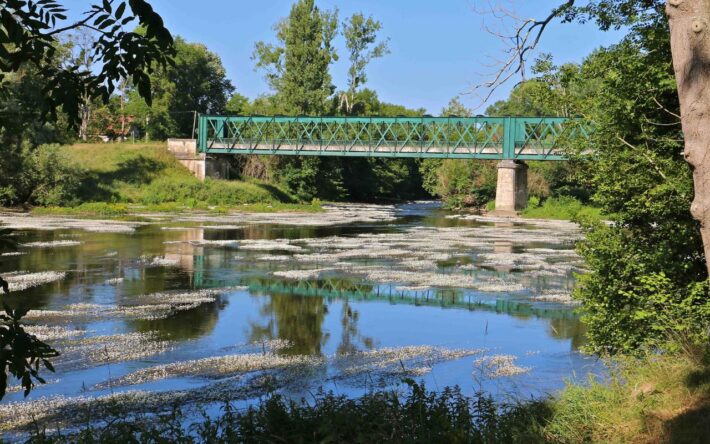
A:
339,288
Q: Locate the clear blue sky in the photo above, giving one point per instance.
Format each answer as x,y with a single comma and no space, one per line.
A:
438,48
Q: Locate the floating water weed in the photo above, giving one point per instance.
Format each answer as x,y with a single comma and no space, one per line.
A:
51,244
413,360
26,222
301,274
218,367
53,332
500,366
158,261
23,281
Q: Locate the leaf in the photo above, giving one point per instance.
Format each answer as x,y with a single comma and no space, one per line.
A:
120,10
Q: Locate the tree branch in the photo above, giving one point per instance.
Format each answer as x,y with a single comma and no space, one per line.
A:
525,39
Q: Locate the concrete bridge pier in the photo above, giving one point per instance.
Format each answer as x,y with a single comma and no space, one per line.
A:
200,164
512,190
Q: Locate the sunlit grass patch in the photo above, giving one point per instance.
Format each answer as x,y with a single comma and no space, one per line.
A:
563,208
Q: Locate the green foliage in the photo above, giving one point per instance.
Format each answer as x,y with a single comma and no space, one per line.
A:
196,81
563,208
238,105
299,69
210,192
387,417
101,209
654,248
39,176
360,35
652,398
31,38
21,354
460,183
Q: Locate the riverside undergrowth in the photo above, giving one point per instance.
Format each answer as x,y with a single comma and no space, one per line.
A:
658,398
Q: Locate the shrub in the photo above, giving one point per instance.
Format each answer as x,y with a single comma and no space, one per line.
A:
39,176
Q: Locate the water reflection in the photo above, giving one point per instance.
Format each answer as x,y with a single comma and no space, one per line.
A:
298,319
339,312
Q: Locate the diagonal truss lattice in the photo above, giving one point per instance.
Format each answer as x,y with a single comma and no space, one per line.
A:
514,138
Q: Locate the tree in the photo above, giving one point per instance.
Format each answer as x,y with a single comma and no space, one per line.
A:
360,35
456,108
30,34
298,69
238,104
689,44
196,81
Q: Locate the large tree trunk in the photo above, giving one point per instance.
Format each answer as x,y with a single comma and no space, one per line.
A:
690,46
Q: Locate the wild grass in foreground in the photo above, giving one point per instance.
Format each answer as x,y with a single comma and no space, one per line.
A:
655,399
417,416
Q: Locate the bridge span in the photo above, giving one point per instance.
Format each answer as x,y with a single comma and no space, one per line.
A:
511,140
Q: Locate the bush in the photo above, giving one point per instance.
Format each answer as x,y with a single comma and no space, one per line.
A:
636,296
39,176
460,183
564,208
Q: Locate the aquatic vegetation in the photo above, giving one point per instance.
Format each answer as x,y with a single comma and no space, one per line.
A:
22,221
301,274
23,281
158,261
269,245
220,366
13,253
113,281
53,333
149,307
560,298
117,348
500,366
333,214
214,243
222,227
412,360
51,244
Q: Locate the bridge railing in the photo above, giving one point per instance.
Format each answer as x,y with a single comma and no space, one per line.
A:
523,138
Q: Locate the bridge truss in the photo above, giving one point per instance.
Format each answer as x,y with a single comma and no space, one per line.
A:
495,138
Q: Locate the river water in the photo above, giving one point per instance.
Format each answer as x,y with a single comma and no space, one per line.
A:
200,308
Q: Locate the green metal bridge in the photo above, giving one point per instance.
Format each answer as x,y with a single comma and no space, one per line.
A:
494,138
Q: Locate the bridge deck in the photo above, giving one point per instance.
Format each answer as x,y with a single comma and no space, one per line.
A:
517,138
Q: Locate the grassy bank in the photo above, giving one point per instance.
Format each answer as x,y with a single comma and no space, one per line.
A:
562,208
658,399
650,400
118,177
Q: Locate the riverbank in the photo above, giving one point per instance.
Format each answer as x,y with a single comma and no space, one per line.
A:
658,399
122,178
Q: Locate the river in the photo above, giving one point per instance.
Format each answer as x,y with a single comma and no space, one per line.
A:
200,307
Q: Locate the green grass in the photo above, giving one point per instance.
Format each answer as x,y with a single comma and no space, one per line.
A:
657,398
121,174
86,209
562,208
654,399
